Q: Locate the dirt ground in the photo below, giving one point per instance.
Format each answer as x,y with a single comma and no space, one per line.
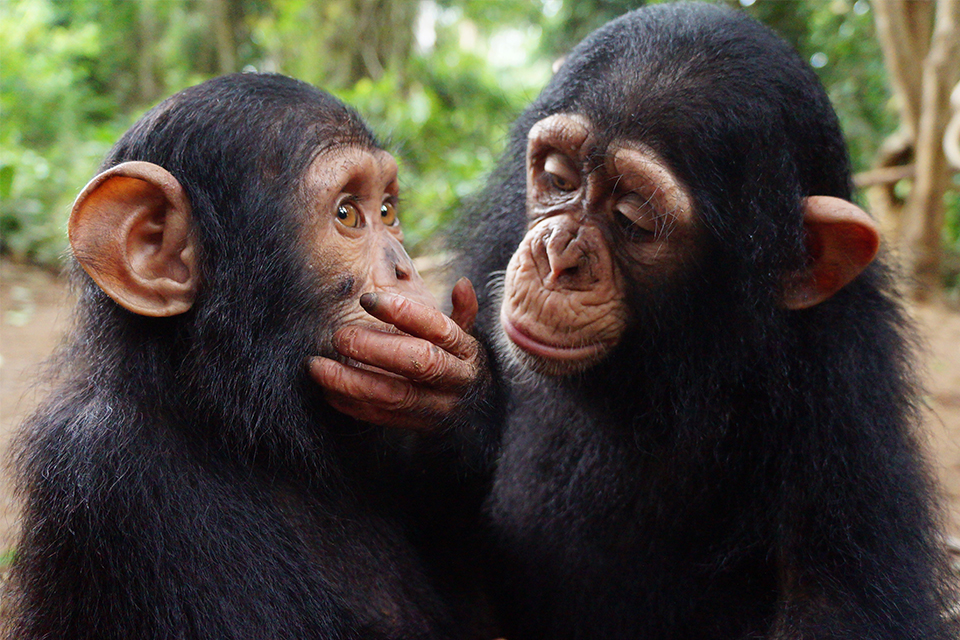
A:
34,310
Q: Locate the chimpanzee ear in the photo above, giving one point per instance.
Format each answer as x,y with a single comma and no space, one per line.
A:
130,229
841,241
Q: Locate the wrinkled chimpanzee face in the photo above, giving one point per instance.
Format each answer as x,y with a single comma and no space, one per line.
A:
353,233
601,217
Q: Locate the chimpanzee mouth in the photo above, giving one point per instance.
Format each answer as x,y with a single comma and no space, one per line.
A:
568,354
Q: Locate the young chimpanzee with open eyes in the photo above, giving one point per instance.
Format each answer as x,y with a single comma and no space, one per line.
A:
712,425
185,479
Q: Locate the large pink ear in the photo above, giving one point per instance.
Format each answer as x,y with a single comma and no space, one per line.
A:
130,229
842,241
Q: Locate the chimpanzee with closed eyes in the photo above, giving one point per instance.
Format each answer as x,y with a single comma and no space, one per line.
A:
712,425
185,479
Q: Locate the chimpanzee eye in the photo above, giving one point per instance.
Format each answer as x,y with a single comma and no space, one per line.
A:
388,214
348,214
562,176
560,183
636,216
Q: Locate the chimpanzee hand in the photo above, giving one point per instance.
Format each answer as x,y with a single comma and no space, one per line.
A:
415,381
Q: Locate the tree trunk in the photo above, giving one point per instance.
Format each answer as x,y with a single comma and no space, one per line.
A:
924,213
146,67
387,28
222,20
921,47
904,28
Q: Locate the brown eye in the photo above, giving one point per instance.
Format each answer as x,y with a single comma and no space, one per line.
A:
561,175
388,214
348,214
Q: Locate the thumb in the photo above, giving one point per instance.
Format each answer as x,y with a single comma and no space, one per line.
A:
465,306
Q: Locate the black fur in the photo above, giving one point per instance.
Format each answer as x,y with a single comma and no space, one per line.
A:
184,479
734,469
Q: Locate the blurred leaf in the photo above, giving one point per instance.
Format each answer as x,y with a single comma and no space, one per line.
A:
6,180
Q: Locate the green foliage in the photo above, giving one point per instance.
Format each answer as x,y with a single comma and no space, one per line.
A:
951,228
839,40
572,20
447,129
54,128
951,240
7,558
332,43
76,73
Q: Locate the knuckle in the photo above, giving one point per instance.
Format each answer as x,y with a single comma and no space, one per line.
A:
469,348
459,342
403,398
344,341
446,335
450,334
402,305
429,364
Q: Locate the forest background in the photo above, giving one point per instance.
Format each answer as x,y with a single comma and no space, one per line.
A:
440,81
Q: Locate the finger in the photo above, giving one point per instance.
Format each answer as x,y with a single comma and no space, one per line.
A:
379,391
361,384
405,356
465,306
421,321
381,417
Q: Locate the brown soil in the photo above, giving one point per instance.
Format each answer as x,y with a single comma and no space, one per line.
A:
34,310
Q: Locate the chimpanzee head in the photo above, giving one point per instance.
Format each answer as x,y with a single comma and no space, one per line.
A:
681,153
229,233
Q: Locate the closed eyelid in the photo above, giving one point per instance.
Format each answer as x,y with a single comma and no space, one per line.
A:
560,164
644,173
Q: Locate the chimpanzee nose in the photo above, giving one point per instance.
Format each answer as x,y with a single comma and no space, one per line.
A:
394,272
565,253
396,266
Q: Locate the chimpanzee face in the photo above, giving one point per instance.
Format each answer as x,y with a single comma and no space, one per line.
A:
351,226
599,216
607,216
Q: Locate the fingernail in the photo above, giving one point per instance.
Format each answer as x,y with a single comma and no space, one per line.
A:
368,300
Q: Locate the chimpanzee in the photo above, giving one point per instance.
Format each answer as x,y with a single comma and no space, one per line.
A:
184,479
712,423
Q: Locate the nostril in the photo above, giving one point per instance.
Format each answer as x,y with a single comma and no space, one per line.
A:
565,261
565,272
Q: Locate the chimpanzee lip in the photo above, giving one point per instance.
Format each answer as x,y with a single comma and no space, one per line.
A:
523,340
